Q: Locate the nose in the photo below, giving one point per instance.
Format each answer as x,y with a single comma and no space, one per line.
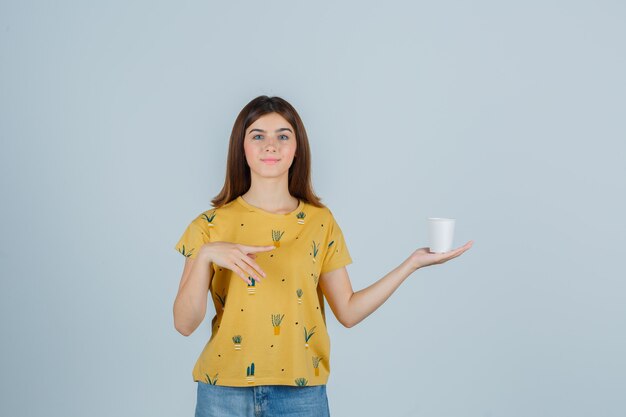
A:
271,143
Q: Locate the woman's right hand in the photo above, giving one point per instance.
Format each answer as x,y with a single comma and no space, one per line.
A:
238,258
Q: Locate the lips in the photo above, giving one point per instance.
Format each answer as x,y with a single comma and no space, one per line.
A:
270,160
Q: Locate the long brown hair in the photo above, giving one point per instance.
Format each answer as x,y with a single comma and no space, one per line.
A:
238,180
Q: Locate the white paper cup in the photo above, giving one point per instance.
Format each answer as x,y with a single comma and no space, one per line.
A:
440,234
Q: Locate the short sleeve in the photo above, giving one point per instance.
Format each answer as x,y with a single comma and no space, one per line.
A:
192,239
337,254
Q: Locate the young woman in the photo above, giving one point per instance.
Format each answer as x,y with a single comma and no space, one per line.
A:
268,252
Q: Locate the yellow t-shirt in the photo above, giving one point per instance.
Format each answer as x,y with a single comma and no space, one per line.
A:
272,332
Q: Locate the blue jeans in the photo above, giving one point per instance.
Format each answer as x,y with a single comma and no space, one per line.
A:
261,401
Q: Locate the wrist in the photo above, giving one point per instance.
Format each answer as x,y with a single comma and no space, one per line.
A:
204,254
410,266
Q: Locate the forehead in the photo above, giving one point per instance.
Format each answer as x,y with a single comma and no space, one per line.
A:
270,121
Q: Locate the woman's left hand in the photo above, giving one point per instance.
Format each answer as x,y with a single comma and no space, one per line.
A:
423,257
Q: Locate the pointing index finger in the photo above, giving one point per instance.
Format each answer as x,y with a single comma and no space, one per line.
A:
250,249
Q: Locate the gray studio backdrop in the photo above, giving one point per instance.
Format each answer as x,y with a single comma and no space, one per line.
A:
508,116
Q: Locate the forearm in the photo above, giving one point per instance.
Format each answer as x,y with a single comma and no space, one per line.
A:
191,301
364,302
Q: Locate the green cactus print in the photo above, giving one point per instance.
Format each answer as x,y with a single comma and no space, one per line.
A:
252,286
250,373
316,365
276,236
331,243
221,299
185,252
301,382
316,278
299,293
237,341
276,320
316,249
208,379
307,336
301,217
209,219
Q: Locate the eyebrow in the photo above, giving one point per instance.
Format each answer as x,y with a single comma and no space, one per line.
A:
277,130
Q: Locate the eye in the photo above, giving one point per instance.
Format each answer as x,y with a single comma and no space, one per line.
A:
285,136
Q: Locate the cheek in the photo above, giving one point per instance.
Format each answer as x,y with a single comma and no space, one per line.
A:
248,149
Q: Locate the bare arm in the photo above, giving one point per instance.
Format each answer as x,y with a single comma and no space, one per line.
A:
191,300
351,307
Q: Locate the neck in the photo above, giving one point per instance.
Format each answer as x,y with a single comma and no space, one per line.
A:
271,195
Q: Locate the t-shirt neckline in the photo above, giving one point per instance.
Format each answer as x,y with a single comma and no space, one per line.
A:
244,203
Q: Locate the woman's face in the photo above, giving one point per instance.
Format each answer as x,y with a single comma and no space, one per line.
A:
270,146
